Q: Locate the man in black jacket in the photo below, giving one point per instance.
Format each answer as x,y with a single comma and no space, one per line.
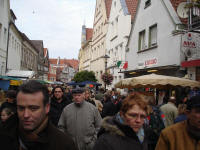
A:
31,129
58,102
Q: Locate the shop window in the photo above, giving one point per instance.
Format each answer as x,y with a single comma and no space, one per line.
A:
141,42
153,36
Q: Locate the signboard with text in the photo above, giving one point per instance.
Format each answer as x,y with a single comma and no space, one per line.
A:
191,45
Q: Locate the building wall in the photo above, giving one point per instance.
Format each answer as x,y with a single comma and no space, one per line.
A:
98,40
52,72
14,49
4,21
86,56
116,39
167,50
29,57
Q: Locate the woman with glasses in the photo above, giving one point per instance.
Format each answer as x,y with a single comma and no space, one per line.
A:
126,130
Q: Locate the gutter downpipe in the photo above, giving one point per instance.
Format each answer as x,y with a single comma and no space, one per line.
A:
7,46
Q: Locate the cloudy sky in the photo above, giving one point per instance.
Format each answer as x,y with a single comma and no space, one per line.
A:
57,22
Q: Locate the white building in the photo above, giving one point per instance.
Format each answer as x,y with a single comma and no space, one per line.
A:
155,40
121,16
14,45
4,23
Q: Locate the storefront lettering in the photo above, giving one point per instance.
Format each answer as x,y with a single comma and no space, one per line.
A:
189,44
151,62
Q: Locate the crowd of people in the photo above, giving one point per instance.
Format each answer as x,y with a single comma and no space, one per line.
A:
36,117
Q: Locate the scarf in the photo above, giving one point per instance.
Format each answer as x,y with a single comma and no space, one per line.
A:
29,139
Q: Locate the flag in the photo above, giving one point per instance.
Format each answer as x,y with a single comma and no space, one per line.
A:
125,65
122,64
119,63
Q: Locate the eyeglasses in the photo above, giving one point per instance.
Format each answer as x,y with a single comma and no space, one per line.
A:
136,116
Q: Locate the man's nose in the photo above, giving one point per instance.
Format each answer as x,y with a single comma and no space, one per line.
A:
26,113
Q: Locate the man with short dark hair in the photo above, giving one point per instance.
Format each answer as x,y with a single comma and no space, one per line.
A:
58,102
81,120
186,134
31,129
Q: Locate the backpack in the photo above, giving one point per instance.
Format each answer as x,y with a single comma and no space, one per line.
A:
156,121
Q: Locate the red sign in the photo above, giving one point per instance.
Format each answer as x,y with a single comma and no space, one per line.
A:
189,44
150,62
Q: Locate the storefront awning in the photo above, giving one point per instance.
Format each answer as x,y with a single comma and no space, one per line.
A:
191,63
20,73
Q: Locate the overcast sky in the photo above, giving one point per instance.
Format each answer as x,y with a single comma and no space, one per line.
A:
57,22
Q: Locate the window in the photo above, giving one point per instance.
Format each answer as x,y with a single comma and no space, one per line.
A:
147,3
5,34
153,35
141,42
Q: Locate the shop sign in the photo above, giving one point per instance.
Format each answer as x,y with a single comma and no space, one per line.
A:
150,62
147,63
190,45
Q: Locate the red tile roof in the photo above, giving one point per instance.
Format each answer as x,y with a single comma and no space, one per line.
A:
175,4
89,32
108,4
53,61
132,7
71,62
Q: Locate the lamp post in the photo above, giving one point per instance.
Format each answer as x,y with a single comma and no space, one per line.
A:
105,57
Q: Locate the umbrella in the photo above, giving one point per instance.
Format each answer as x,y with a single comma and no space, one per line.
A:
156,81
90,82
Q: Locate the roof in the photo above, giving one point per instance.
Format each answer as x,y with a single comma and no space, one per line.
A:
38,44
25,38
70,62
175,4
132,7
89,32
13,14
20,73
108,4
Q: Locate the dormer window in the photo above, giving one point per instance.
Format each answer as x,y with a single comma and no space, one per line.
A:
147,3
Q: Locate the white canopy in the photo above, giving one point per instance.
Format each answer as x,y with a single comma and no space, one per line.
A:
20,73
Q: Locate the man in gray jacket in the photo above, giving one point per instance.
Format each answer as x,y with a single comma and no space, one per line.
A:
81,120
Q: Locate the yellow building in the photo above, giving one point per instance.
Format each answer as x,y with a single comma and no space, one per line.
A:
85,51
100,25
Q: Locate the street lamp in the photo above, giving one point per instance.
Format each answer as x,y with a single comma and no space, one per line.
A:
105,57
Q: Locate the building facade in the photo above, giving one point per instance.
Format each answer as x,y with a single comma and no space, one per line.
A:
155,41
29,55
4,27
86,47
42,74
100,25
62,69
121,16
14,45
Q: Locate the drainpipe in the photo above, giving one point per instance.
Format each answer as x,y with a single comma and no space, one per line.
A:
7,46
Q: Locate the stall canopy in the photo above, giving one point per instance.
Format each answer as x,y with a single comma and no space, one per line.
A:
21,74
156,81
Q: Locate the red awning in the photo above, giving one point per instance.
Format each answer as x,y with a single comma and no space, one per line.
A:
191,63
